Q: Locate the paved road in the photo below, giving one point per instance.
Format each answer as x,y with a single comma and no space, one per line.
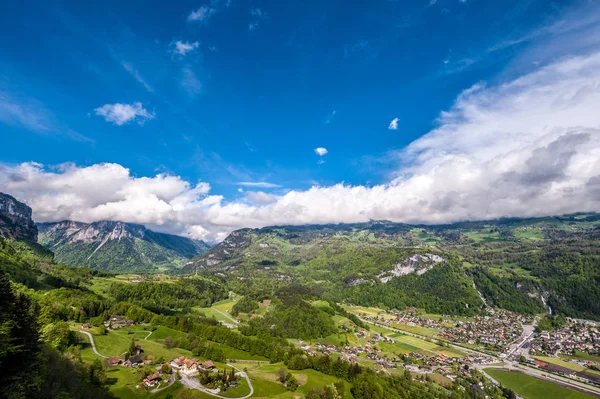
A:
93,344
193,383
172,380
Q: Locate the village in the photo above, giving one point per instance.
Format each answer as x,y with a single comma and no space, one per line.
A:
575,336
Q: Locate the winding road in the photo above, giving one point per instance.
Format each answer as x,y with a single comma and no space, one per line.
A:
193,383
93,344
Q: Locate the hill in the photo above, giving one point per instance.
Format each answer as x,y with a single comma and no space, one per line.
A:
117,246
523,265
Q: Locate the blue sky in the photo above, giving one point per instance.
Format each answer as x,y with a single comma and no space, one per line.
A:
232,91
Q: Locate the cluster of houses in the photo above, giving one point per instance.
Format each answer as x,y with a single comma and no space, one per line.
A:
190,367
498,328
576,335
117,321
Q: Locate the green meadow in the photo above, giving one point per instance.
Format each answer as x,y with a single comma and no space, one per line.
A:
534,388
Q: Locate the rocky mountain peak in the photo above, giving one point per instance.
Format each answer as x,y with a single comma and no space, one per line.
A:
15,219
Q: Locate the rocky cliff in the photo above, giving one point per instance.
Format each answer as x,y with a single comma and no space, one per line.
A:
15,220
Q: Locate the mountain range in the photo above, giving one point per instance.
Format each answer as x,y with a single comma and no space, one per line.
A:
117,246
534,265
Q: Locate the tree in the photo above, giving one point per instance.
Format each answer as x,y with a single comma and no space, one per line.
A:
131,351
97,373
168,342
282,376
292,383
59,335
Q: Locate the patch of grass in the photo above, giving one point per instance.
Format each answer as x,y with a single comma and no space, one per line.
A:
210,312
581,356
241,390
419,343
559,362
450,352
425,331
232,353
164,332
534,388
267,389
264,380
226,305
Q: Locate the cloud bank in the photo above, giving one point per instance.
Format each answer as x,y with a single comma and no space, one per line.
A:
528,147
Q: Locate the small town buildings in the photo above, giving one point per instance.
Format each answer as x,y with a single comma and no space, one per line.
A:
115,360
133,361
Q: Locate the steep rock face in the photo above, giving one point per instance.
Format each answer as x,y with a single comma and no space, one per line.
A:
117,246
15,220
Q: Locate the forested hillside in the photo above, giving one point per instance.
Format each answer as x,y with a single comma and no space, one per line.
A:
522,265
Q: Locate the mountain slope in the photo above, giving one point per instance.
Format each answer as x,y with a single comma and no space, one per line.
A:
523,265
117,247
15,219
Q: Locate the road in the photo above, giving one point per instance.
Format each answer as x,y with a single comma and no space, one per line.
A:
93,344
194,383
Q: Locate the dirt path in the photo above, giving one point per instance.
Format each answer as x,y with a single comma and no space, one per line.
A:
225,315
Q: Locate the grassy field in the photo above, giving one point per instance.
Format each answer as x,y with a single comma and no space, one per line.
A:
162,333
264,380
210,312
534,388
226,305
560,362
232,353
424,331
581,356
241,390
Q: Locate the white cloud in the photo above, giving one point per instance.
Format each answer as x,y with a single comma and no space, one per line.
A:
527,147
330,117
257,12
120,114
260,198
190,82
258,184
205,12
182,48
394,124
202,14
320,151
134,72
253,26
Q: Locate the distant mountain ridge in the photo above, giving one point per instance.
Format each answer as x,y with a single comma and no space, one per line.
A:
15,219
117,246
526,265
